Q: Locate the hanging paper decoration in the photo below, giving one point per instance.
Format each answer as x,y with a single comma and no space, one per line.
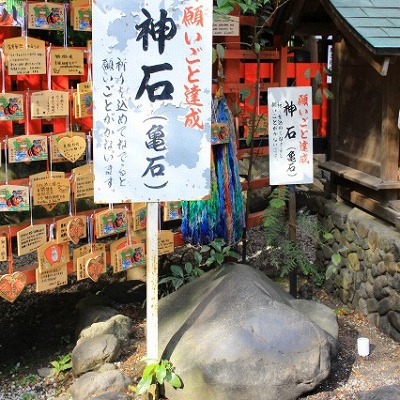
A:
222,215
11,106
12,285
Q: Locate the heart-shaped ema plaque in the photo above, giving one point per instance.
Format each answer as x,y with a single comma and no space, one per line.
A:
76,230
94,267
71,147
11,285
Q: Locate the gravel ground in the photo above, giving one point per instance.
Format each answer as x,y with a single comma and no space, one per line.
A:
39,327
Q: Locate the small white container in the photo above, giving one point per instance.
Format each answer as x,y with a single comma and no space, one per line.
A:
363,346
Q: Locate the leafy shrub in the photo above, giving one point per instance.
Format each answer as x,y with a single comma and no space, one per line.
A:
200,258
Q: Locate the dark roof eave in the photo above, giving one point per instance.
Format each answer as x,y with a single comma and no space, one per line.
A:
353,36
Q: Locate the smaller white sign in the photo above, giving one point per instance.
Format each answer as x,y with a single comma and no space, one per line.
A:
290,135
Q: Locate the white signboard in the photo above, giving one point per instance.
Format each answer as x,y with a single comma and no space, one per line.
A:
152,100
290,135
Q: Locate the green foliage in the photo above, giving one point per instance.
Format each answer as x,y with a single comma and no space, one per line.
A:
224,7
31,378
28,396
333,267
283,253
205,256
158,373
61,365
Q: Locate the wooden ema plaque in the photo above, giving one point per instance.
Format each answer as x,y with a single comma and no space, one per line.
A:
83,100
172,210
25,60
49,104
11,107
66,62
14,198
41,176
117,245
165,242
110,222
27,148
3,248
31,238
46,15
72,228
57,156
83,251
91,265
72,148
52,255
81,17
51,191
52,279
130,256
12,285
83,183
139,217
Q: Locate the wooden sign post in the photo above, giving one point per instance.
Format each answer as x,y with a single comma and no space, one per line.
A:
290,147
157,88
152,281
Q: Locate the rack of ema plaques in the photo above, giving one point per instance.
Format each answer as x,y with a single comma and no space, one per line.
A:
49,225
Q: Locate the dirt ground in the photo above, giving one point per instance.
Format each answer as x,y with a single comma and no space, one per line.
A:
39,327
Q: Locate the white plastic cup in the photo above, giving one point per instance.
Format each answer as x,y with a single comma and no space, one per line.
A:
363,346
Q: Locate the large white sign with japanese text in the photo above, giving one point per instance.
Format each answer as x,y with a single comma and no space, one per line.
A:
152,99
290,135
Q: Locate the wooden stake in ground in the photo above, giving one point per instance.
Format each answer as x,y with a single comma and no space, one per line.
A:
292,236
152,285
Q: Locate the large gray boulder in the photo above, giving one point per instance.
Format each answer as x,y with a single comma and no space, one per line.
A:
233,334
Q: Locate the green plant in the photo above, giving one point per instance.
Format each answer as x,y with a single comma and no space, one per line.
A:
333,266
31,378
15,369
205,256
158,373
285,254
28,396
61,365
